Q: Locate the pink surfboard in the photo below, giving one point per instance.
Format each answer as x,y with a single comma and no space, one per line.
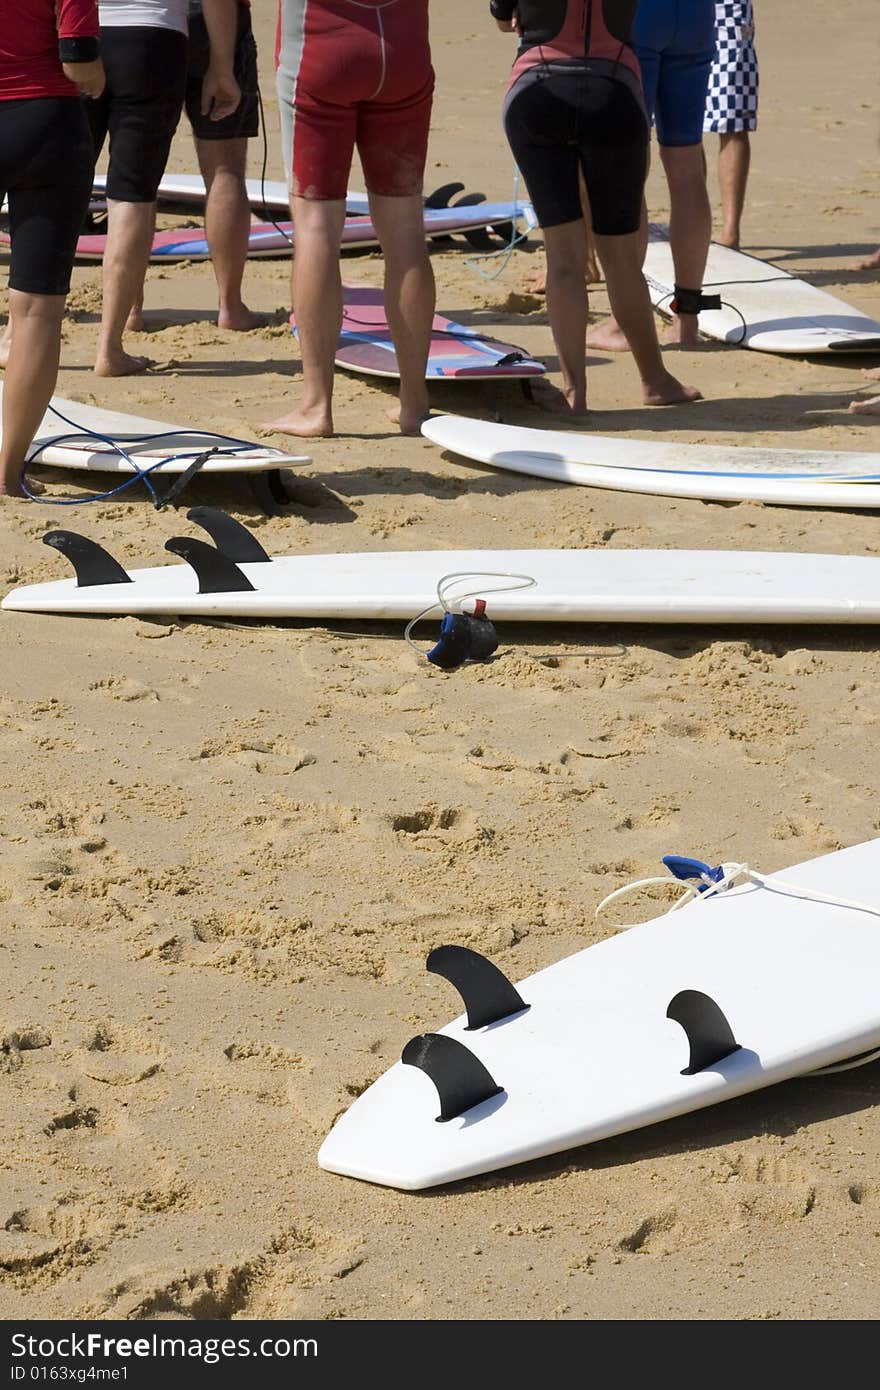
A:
456,353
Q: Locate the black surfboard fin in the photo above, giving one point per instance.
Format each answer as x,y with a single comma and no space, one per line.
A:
232,539
440,197
461,1079
216,574
92,563
487,993
269,491
470,200
708,1031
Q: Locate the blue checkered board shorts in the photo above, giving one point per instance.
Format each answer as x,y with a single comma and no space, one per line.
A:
732,99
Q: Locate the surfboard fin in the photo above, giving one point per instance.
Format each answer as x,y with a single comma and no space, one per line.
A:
232,539
440,197
487,993
216,573
269,491
708,1031
461,1079
92,563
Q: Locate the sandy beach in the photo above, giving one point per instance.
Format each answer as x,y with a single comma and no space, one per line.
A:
227,850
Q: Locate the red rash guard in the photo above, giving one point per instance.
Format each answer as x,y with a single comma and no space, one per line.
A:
36,37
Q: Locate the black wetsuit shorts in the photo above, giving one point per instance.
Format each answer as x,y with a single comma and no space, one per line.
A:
244,123
140,106
46,169
570,116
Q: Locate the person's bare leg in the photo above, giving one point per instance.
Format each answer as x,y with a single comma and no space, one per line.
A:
126,257
409,294
31,373
536,280
621,258
734,158
871,262
227,226
6,343
566,248
316,290
608,336
593,274
690,228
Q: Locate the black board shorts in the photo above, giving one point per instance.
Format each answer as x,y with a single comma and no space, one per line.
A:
140,106
46,169
244,123
562,118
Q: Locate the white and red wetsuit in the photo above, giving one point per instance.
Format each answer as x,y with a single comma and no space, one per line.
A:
354,72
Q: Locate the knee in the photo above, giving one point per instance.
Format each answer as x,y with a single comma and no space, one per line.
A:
566,272
36,308
684,166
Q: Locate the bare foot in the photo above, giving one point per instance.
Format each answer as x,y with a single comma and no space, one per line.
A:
409,420
119,363
608,336
668,390
5,345
240,319
871,262
16,493
870,407
872,372
535,282
305,424
135,321
730,239
684,332
556,401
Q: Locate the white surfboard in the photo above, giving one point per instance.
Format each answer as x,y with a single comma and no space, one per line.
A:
607,1037
270,194
787,477
154,444
668,586
763,307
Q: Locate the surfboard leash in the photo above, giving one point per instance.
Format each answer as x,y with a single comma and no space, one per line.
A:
197,457
700,882
464,636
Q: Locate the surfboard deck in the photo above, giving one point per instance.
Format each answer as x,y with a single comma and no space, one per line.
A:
276,238
763,306
94,456
271,195
732,473
456,352
596,1055
668,586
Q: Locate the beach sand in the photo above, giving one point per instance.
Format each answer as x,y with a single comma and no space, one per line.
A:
228,850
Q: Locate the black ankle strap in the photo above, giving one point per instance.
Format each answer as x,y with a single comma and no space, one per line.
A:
692,301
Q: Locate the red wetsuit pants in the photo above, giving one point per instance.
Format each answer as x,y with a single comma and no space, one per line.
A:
354,72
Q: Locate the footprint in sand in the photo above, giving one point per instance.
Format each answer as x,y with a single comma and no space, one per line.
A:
117,1056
